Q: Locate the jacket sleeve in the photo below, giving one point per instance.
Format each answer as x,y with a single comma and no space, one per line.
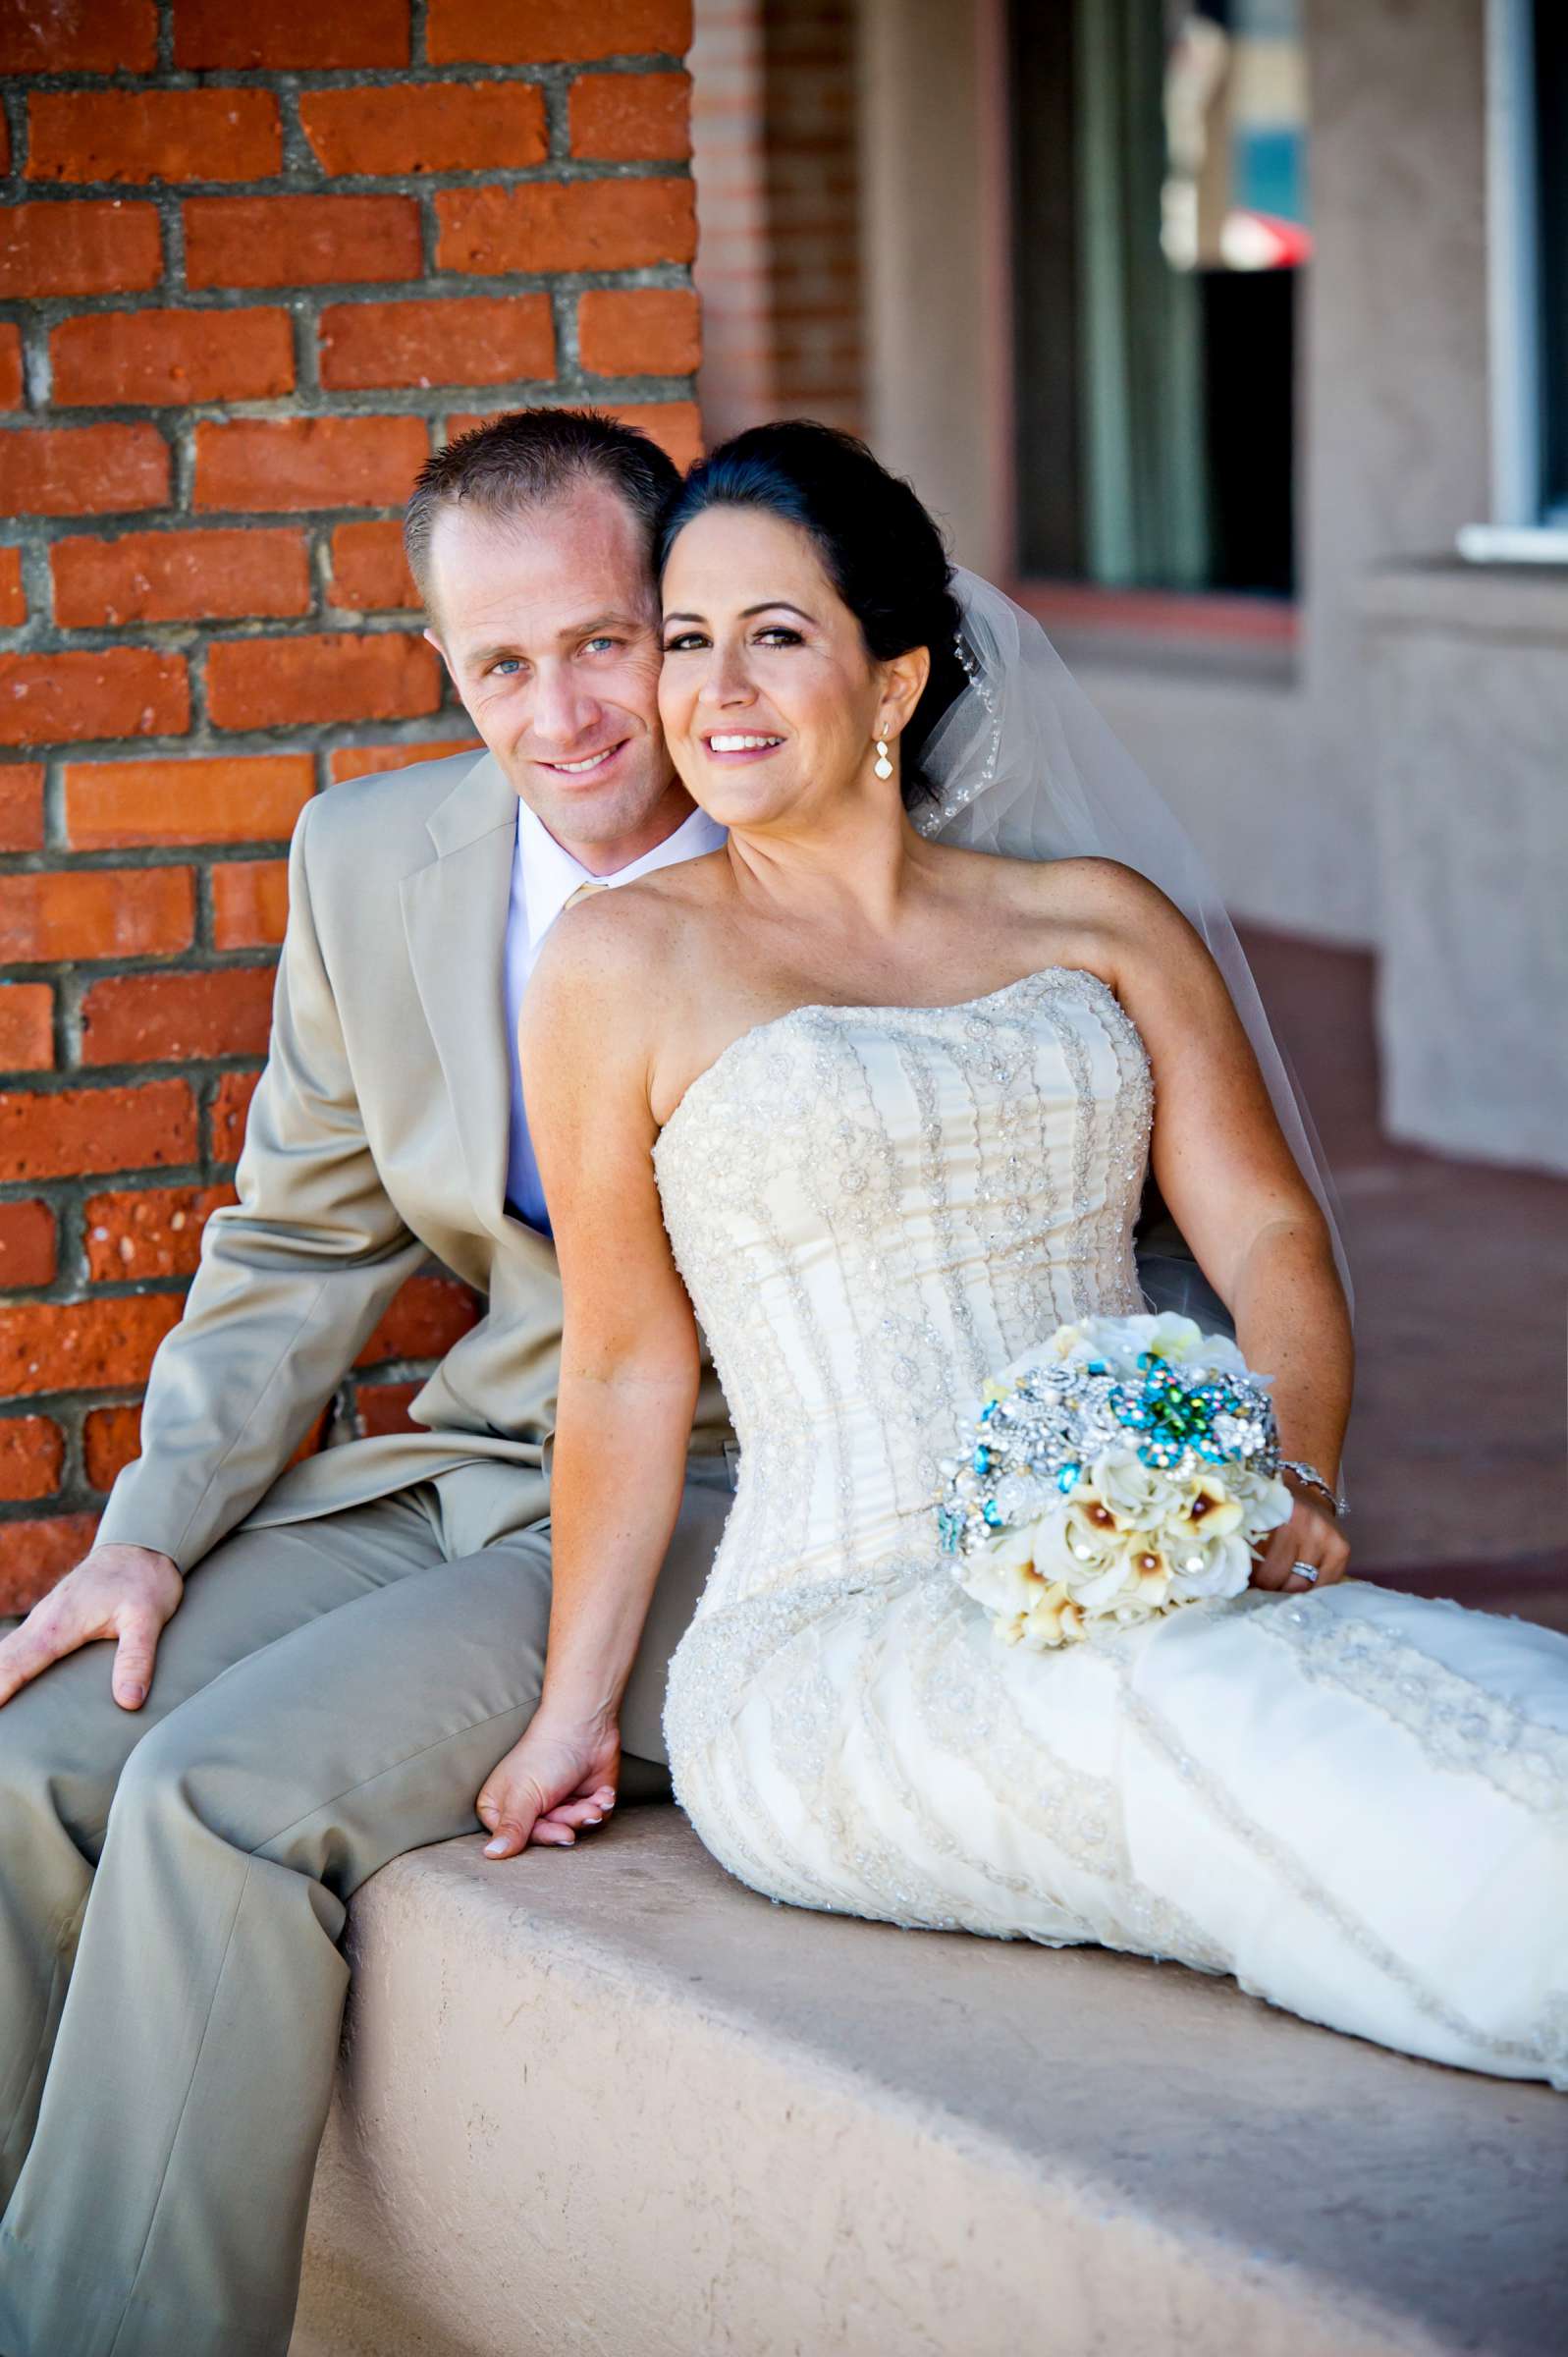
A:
292,1282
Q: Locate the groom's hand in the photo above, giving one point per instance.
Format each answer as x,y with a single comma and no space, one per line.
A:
560,1775
123,1594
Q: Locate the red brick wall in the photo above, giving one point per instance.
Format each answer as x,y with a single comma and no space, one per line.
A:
776,160
733,268
257,258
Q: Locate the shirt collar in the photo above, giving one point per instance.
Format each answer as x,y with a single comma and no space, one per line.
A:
550,875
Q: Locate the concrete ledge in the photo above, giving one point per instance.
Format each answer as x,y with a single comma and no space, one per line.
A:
612,2103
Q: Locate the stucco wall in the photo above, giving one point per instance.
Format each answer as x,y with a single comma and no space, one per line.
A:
1396,456
933,275
1469,701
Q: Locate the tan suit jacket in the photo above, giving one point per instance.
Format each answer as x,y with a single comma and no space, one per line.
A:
378,1136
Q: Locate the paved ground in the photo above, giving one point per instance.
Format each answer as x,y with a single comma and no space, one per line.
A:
1459,1449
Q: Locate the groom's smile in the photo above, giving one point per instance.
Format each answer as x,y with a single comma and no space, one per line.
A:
592,764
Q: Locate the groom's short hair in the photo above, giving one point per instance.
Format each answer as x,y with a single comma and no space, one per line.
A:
523,461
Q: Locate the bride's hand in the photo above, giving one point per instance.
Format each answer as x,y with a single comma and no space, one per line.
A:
1310,1536
556,1778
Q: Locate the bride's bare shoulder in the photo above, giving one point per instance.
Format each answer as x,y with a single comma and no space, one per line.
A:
1100,888
617,956
1103,915
1086,893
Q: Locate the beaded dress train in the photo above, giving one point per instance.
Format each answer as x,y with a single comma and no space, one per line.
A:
1354,1801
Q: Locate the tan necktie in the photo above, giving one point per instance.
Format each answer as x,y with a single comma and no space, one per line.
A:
582,892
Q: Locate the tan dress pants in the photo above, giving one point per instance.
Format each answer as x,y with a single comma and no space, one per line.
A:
173,1884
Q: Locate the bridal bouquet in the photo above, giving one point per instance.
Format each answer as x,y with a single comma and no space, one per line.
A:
1125,1468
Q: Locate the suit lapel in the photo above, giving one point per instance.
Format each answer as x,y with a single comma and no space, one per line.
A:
455,917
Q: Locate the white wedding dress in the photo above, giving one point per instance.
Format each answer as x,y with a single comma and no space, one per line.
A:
1355,1801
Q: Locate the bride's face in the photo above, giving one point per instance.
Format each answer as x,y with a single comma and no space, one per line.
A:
768,698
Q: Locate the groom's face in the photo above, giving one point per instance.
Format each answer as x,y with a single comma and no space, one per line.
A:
549,625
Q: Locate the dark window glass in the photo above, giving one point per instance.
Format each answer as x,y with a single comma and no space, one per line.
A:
1159,233
1551,168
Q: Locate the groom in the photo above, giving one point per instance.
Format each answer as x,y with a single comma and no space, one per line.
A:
317,1669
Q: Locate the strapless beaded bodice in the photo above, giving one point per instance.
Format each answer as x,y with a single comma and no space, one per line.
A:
873,1209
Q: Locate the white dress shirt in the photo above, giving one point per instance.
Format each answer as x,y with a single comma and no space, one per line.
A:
544,878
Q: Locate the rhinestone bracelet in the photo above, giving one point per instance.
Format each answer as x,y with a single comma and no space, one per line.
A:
1315,1480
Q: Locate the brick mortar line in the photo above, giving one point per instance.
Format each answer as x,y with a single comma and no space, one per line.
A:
146,1073
83,972
108,858
413,725
71,1192
85,1397
258,298
112,526
114,1289
60,1404
172,242
558,120
53,311
272,409
213,960
19,122
268,737
101,858
296,155
312,401
465,71
68,1197
180,637
564,170
194,1069
176,421
55,759
306,315
284,737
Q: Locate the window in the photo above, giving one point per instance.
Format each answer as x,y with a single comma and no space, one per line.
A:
1159,232
1526,239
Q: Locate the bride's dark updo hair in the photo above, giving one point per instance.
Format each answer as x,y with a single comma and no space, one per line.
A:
878,546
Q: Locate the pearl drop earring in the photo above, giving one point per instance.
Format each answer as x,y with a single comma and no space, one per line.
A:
881,764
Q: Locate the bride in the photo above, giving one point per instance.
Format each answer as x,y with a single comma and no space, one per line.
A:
880,1110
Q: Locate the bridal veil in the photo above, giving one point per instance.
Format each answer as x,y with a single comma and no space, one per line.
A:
1022,764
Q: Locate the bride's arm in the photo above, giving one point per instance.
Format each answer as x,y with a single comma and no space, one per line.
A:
1234,1189
629,1366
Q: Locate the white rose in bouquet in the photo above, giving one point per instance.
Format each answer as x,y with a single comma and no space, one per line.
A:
1124,1469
